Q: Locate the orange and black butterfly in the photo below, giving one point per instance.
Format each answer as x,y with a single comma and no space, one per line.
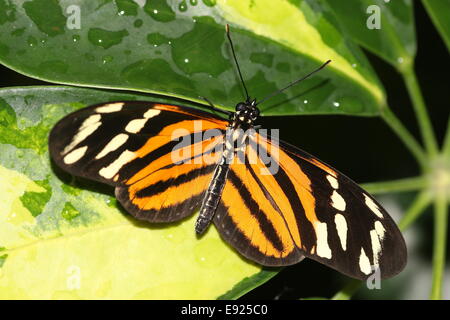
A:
272,202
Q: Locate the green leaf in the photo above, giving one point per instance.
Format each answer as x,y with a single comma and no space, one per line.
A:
394,40
68,239
180,49
439,11
248,284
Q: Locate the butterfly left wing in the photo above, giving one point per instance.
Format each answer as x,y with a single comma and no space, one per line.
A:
276,212
135,146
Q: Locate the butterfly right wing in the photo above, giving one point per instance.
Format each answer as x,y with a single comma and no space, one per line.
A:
277,212
135,146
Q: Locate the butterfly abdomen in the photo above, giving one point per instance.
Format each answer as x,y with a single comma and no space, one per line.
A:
214,192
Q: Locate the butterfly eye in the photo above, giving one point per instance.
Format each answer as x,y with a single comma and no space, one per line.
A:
240,106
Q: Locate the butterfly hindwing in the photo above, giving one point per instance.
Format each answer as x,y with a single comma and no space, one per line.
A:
299,206
130,145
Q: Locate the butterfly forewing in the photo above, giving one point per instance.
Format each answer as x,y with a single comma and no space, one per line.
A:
132,145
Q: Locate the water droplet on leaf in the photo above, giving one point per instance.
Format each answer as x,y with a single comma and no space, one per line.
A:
138,23
107,59
32,42
182,6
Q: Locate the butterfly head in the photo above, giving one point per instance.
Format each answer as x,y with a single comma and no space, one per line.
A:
246,112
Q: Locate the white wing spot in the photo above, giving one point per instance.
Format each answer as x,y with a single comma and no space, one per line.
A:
376,237
373,206
86,129
114,144
111,170
333,181
341,227
376,246
380,229
337,201
75,155
109,108
323,250
151,113
136,125
364,263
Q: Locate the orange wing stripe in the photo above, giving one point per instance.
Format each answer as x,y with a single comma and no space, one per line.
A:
277,194
167,107
255,234
181,155
321,166
172,195
299,179
247,223
173,132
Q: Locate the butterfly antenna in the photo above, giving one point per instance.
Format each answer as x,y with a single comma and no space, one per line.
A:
294,83
227,28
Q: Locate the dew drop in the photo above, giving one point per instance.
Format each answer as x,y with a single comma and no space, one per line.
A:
32,42
209,3
138,23
121,13
193,2
305,101
75,38
107,59
186,60
400,59
182,6
69,212
354,65
175,236
336,104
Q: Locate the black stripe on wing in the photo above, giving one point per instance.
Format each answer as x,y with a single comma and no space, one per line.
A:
117,129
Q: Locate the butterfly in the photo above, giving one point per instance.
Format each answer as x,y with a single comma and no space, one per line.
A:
274,203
